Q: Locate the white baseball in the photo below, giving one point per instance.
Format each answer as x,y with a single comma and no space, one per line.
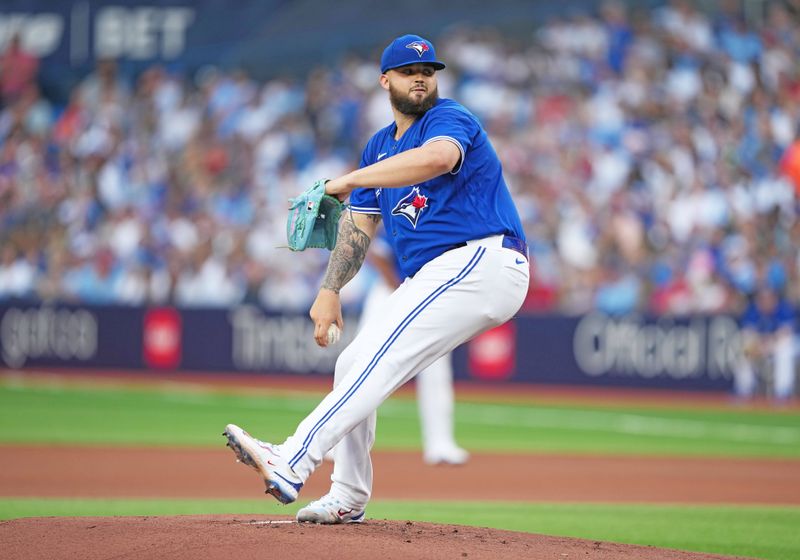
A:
333,334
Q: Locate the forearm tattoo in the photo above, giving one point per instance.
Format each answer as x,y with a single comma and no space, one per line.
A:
348,255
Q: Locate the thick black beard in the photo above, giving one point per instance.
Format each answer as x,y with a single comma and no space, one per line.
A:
404,105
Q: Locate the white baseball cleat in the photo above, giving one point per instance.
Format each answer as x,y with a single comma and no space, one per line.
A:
329,511
266,459
446,456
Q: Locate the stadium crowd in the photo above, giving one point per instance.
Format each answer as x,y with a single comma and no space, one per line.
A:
654,157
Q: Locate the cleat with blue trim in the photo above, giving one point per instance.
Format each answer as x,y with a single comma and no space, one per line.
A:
329,511
281,481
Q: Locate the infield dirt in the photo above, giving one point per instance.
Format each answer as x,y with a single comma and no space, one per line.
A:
63,471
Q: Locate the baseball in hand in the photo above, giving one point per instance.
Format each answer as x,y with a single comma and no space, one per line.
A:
333,334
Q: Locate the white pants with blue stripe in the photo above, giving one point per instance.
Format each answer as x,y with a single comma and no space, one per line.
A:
435,395
451,299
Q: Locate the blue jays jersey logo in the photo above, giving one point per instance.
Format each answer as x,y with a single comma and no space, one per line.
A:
418,46
411,206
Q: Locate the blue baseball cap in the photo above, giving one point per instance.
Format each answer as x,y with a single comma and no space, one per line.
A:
409,49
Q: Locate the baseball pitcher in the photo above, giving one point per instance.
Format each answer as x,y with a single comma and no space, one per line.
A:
435,181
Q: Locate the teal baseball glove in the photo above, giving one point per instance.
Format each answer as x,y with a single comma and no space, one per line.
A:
313,219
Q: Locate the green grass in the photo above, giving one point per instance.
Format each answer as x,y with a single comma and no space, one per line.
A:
761,532
186,416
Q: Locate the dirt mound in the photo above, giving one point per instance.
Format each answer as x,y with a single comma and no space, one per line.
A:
243,537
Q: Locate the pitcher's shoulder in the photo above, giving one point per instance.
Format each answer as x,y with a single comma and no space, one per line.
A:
445,106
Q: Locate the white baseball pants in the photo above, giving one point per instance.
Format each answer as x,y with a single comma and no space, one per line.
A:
454,297
781,362
435,396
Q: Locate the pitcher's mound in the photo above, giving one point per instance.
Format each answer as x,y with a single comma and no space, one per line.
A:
241,537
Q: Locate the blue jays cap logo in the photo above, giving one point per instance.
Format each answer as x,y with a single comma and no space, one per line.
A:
419,46
411,206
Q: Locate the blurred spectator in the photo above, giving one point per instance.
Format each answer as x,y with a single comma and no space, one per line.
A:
18,70
17,274
739,42
790,165
685,24
619,34
93,280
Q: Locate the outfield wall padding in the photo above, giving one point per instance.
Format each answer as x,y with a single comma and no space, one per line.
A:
690,353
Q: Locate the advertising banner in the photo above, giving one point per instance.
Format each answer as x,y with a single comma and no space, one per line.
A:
694,353
67,336
244,339
633,351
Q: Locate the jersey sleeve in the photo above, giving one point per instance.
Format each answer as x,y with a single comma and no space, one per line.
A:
364,201
454,125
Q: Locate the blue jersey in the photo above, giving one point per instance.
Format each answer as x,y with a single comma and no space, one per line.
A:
782,316
382,245
471,202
